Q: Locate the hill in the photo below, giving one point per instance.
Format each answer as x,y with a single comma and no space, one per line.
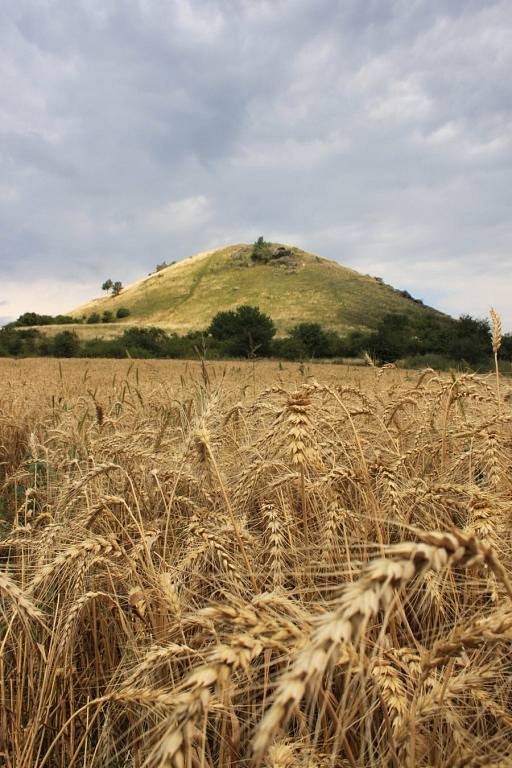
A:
291,285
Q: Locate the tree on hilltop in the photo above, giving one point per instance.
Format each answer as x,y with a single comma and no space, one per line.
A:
261,250
107,285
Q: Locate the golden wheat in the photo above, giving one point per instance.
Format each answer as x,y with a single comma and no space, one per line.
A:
213,565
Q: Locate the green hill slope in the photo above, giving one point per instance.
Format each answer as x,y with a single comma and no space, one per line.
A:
292,286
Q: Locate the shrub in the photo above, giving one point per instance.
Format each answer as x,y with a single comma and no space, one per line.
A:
289,348
122,312
107,316
437,362
93,318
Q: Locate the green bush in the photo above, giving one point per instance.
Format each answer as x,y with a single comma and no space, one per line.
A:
122,312
102,348
93,318
437,362
107,316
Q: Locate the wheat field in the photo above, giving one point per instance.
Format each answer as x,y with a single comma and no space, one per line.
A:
208,566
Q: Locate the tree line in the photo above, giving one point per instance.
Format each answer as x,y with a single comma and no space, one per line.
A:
29,319
246,332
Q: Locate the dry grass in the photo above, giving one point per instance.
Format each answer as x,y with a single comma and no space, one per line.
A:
234,565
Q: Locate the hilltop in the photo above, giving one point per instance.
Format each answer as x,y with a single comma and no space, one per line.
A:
292,286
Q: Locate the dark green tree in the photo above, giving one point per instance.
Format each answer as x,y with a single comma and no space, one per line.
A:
393,338
33,318
261,250
247,331
313,338
152,340
107,285
356,343
117,287
470,340
224,325
66,344
506,347
15,344
11,342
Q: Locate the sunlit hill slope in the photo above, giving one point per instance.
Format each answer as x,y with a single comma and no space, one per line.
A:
292,286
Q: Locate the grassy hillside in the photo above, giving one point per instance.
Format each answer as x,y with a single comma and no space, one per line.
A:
294,286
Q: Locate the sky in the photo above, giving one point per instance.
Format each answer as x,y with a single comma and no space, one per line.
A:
375,133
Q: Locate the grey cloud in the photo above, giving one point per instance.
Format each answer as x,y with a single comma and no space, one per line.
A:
374,133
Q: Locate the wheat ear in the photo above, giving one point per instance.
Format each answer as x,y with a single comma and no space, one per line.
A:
359,603
23,605
497,335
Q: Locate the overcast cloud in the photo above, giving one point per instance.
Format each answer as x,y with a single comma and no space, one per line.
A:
376,133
